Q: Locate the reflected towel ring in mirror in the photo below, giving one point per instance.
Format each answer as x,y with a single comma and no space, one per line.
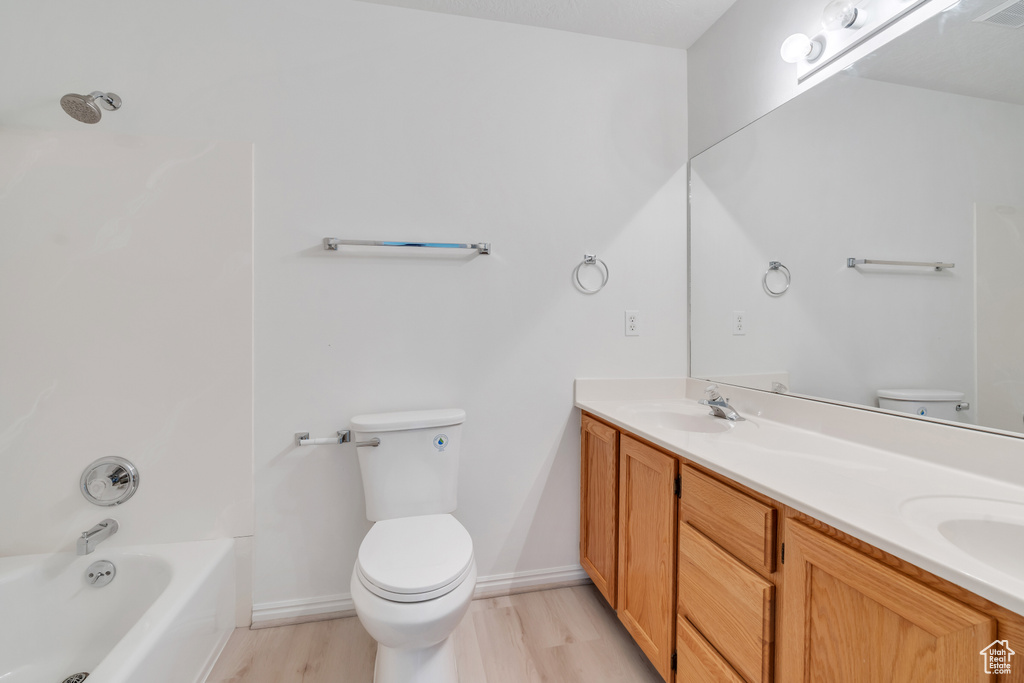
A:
591,260
777,266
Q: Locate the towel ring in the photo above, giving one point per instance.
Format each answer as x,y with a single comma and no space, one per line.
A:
591,260
776,265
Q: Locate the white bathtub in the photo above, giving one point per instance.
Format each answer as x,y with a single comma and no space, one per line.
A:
163,619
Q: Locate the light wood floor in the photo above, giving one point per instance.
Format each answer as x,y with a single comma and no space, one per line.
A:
566,635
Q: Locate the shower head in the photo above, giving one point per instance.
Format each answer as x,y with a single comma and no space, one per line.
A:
86,108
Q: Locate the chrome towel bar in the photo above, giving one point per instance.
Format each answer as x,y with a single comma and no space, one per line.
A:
344,436
332,244
937,265
302,439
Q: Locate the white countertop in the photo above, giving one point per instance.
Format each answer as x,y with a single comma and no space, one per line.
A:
880,495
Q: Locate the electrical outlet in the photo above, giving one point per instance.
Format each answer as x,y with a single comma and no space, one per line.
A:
632,323
739,322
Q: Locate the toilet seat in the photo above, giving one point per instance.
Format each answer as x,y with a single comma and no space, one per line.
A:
413,559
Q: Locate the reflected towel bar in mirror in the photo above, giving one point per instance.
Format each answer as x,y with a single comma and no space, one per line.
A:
852,262
331,244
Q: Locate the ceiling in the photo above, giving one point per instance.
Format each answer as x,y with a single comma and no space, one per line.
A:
669,23
954,53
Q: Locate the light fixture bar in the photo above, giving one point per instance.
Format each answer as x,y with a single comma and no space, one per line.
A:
873,18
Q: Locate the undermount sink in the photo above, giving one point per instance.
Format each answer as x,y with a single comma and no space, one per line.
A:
989,530
661,416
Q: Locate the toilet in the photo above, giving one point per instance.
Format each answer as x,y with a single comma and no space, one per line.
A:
938,403
415,573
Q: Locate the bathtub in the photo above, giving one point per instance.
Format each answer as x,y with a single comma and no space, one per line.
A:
164,618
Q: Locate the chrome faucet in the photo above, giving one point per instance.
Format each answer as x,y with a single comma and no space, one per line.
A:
719,406
88,541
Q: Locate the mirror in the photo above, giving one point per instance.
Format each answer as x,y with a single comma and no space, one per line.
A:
914,154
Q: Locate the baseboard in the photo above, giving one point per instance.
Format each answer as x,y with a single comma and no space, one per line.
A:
288,612
533,580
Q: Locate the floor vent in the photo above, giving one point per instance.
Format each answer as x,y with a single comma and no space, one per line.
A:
1009,14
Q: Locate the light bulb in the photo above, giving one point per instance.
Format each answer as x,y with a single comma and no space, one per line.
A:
798,46
841,14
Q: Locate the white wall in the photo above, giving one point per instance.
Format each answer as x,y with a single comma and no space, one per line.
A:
126,305
383,123
854,168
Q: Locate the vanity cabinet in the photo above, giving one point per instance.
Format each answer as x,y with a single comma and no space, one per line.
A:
647,531
627,534
599,505
849,618
717,583
726,607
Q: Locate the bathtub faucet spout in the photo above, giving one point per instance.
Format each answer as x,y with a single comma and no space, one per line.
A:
88,541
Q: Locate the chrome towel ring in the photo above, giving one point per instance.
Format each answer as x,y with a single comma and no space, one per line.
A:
591,260
776,265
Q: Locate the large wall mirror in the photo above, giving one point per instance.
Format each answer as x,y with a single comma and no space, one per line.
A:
914,154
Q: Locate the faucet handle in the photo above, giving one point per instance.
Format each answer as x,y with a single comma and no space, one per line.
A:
711,391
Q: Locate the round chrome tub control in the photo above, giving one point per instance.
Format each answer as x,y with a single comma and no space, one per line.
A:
109,481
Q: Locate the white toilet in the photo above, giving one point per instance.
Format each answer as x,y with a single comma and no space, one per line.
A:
939,403
415,574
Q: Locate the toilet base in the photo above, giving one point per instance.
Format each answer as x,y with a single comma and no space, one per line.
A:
434,664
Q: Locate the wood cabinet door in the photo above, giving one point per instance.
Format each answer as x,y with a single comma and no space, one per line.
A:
599,512
847,618
647,535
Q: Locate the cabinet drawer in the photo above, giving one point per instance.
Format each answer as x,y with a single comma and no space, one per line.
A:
740,524
698,661
728,603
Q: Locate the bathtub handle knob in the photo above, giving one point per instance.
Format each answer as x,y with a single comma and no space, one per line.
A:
109,481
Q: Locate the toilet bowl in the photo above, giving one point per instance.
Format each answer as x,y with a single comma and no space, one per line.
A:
938,403
415,573
411,587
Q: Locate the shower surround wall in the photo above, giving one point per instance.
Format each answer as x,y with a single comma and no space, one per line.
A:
375,122
125,301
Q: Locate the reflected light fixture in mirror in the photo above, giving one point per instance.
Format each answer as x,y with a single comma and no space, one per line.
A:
844,26
797,47
841,14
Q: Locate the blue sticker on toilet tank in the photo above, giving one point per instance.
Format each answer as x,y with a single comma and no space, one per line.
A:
440,441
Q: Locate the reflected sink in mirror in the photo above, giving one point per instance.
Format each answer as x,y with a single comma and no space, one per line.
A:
991,531
681,418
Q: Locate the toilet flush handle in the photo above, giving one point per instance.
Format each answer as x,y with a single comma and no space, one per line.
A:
372,443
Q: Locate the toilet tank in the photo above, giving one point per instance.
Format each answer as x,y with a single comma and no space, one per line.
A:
938,403
415,469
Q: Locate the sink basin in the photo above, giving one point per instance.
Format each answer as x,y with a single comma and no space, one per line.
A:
989,530
665,417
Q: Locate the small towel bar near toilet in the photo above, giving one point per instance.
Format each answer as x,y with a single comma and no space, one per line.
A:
344,436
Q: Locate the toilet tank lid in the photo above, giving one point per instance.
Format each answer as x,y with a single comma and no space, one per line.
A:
921,394
413,419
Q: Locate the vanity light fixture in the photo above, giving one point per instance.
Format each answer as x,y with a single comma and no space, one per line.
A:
840,14
845,25
799,47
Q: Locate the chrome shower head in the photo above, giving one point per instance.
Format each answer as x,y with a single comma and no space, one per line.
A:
86,108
